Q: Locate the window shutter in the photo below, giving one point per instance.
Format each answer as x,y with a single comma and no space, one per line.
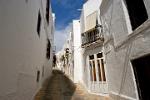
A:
91,21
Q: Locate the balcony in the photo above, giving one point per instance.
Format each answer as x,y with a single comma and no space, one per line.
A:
92,36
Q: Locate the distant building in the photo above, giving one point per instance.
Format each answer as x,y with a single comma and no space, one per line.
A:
77,52
59,60
126,27
65,57
26,45
69,58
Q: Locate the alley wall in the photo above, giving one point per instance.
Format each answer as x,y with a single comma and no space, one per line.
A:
122,45
23,62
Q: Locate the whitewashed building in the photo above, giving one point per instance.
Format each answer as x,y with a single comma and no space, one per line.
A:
77,52
126,27
26,45
65,56
71,56
72,67
93,58
59,62
68,55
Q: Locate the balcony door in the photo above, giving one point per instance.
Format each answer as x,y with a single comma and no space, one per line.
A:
92,68
97,73
101,69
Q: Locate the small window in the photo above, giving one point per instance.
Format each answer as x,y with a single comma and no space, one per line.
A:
137,12
103,70
99,55
38,76
48,49
91,57
99,70
94,70
47,11
39,24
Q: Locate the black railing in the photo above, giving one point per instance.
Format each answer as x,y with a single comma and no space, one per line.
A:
92,35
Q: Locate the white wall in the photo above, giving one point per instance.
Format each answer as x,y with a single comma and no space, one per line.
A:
78,73
120,73
88,8
115,58
22,51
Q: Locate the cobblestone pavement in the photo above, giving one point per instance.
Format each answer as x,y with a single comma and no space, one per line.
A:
60,87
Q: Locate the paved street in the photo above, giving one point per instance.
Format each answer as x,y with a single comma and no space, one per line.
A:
60,87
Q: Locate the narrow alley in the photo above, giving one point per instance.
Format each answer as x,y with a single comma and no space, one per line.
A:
60,87
74,49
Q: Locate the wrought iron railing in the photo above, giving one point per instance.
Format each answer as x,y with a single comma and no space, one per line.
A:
93,35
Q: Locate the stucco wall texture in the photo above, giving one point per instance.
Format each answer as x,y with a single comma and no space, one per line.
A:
121,46
96,87
22,51
78,72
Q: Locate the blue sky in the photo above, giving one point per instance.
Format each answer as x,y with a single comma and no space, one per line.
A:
65,11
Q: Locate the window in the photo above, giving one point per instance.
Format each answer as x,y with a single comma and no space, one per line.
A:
97,68
91,57
137,12
38,76
94,70
39,24
91,75
99,55
101,69
48,49
47,11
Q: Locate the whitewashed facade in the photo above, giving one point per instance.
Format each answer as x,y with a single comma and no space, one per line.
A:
65,57
126,27
59,62
93,58
77,52
26,45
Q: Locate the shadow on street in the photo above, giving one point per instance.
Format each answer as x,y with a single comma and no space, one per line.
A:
57,87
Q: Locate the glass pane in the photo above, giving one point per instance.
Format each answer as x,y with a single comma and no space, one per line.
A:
91,57
94,70
99,55
99,70
91,76
103,70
